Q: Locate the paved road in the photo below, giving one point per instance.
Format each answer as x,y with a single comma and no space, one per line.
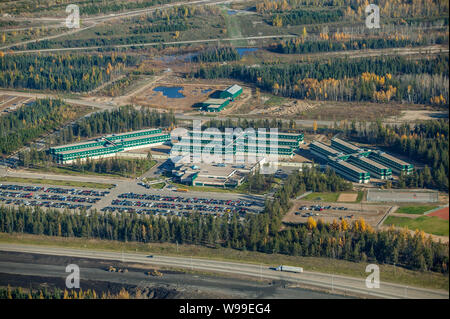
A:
335,283
147,44
94,21
93,274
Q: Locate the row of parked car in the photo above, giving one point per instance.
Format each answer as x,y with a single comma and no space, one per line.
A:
321,208
190,200
55,190
63,198
159,212
25,202
165,206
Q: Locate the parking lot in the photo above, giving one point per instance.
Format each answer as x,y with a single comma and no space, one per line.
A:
150,202
302,210
159,205
50,197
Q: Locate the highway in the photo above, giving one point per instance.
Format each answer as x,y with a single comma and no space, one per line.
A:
333,283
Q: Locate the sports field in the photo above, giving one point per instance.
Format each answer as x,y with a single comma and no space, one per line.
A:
429,224
416,210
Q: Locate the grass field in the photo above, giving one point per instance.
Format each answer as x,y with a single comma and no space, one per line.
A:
240,189
158,185
56,182
429,224
416,210
388,273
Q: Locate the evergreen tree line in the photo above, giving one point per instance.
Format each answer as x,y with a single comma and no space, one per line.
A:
425,142
92,8
163,27
347,80
298,17
100,41
259,183
218,55
29,122
294,46
120,166
252,123
74,73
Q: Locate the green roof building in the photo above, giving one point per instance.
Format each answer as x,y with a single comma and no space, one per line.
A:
232,92
215,105
107,146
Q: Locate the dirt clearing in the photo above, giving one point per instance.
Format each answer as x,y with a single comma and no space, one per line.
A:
344,197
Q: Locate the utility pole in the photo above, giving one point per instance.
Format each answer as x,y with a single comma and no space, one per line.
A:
260,272
192,266
332,283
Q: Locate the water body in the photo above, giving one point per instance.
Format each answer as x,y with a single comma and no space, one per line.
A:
244,51
206,91
231,12
172,92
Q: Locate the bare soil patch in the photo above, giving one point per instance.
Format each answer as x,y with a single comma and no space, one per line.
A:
344,197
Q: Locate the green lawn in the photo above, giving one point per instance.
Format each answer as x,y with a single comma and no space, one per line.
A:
325,265
417,210
240,189
56,182
429,224
324,197
158,186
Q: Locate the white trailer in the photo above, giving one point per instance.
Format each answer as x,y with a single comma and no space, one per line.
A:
289,269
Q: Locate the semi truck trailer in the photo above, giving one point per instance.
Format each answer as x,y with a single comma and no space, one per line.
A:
289,269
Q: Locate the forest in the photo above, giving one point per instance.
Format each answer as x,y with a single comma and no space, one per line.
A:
379,79
298,17
69,73
355,8
29,122
217,55
297,46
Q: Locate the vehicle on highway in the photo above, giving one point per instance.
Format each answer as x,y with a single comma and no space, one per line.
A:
289,269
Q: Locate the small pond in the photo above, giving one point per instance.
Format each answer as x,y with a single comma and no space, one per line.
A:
245,51
172,92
